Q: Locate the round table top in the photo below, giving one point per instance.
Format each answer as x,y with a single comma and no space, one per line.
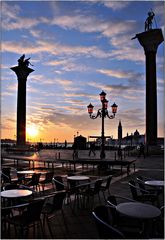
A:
155,183
26,172
78,178
31,172
138,210
16,193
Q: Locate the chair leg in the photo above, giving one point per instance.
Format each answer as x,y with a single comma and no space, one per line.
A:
21,233
50,230
99,197
65,223
34,230
104,196
41,226
109,192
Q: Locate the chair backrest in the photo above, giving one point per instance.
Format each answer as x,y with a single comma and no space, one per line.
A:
49,176
6,175
54,202
72,186
11,186
111,200
33,211
35,178
105,213
106,231
141,184
97,186
58,183
58,200
133,189
109,178
21,177
162,211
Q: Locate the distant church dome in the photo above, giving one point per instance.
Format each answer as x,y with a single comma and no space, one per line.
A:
136,133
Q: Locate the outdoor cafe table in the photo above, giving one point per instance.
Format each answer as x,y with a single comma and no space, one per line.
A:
78,178
13,194
139,211
155,183
31,172
16,193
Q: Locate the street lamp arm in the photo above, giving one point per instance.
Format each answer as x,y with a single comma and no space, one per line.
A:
96,116
110,116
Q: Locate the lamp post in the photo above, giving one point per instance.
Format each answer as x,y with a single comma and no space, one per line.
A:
102,113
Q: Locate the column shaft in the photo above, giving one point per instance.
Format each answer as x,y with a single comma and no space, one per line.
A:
151,99
21,112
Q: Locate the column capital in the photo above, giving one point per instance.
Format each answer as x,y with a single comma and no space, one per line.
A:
22,72
150,40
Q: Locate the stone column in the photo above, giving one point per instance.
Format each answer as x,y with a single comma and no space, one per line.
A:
22,73
150,40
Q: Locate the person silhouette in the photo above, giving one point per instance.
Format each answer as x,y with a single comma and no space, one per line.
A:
92,149
75,150
119,152
141,150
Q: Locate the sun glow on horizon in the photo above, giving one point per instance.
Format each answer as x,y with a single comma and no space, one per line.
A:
32,131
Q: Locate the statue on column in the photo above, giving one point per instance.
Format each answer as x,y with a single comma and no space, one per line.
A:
22,62
148,22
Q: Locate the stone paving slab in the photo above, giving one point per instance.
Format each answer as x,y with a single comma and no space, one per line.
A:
80,222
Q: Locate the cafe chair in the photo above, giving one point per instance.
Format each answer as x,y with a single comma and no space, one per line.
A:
161,228
105,213
141,181
91,192
21,178
105,186
59,185
74,190
47,180
104,225
145,197
6,212
158,225
53,204
5,175
34,182
29,216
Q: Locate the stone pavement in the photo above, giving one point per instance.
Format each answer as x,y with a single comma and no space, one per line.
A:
80,223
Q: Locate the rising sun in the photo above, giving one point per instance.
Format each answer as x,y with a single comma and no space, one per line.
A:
32,131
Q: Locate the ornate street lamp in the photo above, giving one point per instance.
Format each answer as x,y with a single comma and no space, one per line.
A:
102,113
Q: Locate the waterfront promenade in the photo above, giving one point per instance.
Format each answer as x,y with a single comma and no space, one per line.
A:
80,223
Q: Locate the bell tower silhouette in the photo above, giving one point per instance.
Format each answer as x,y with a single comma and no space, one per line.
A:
119,132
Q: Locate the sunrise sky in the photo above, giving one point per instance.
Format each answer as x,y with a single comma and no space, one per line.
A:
78,49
